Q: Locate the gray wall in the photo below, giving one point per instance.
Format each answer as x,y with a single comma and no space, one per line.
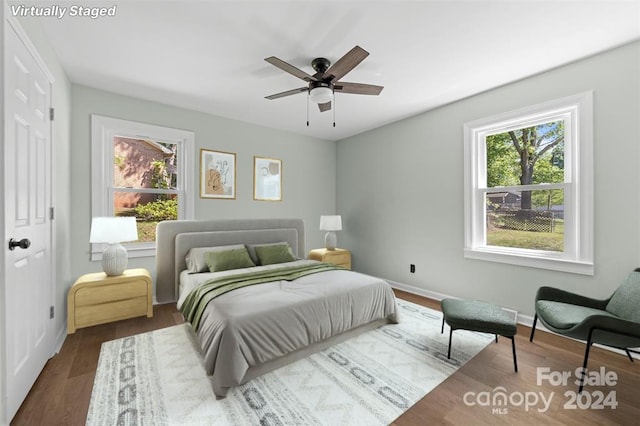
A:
308,167
400,189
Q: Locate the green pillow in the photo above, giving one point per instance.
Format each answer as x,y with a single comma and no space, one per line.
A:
225,260
624,302
276,253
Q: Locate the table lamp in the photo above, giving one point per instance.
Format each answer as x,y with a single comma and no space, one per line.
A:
113,231
330,224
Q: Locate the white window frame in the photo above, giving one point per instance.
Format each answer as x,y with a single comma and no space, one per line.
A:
103,132
577,257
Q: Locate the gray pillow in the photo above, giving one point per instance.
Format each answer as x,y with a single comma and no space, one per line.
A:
195,257
224,260
274,253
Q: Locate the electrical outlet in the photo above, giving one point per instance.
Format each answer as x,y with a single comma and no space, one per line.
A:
412,268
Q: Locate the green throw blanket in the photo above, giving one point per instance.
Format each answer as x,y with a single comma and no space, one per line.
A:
196,301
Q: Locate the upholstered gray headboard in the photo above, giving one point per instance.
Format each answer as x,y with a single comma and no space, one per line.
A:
174,238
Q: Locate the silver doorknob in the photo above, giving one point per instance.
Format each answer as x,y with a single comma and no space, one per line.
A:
23,243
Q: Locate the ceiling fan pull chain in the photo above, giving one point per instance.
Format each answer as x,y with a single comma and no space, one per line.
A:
307,108
334,108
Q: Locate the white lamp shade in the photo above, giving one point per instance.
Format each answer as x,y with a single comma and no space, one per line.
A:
113,230
331,223
321,95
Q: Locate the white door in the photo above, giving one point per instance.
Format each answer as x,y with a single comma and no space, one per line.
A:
28,268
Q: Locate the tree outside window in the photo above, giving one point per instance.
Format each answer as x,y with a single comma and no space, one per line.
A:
531,218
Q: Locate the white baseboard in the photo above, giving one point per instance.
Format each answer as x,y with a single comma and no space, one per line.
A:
521,319
419,291
59,339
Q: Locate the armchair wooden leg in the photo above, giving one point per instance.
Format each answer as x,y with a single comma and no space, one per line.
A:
533,329
442,328
450,336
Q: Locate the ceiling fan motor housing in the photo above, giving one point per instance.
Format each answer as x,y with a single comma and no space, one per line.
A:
320,65
316,84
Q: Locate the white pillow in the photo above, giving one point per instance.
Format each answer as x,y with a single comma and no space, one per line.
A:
195,257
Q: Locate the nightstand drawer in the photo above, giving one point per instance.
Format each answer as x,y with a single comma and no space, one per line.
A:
110,293
113,311
338,258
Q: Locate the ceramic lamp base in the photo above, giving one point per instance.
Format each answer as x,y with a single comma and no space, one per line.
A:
330,240
114,260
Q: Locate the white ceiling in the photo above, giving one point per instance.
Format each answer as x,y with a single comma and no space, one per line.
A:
209,55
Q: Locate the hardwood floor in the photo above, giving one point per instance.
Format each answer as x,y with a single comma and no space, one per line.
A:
493,367
61,394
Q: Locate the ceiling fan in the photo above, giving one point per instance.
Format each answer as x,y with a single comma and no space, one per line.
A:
322,85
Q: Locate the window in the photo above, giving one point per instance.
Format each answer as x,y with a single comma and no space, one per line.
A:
529,186
140,170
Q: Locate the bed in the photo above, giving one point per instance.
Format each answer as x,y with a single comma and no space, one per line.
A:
281,311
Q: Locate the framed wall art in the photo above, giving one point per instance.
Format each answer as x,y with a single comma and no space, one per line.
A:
267,179
217,174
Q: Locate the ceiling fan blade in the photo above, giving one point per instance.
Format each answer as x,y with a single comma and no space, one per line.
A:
287,93
325,106
357,88
346,63
286,67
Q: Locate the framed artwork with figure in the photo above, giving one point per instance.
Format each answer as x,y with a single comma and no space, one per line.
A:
217,174
267,179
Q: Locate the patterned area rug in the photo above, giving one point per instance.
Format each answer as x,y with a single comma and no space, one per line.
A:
158,378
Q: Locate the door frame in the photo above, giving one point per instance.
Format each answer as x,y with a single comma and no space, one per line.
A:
10,23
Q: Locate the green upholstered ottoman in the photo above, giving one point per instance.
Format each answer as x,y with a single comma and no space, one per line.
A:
479,316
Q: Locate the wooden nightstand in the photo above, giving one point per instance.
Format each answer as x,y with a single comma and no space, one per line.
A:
98,299
340,257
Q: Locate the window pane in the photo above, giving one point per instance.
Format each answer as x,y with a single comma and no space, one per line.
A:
149,209
139,163
538,228
526,156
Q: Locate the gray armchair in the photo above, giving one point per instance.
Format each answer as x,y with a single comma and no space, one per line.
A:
611,322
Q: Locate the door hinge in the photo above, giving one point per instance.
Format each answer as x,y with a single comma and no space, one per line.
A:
51,213
51,312
51,114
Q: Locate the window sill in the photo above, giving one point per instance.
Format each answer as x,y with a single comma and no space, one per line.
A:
133,250
541,261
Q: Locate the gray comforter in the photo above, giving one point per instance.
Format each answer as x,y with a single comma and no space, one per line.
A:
253,325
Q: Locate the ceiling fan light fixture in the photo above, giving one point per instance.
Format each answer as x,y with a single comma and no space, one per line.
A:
321,95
